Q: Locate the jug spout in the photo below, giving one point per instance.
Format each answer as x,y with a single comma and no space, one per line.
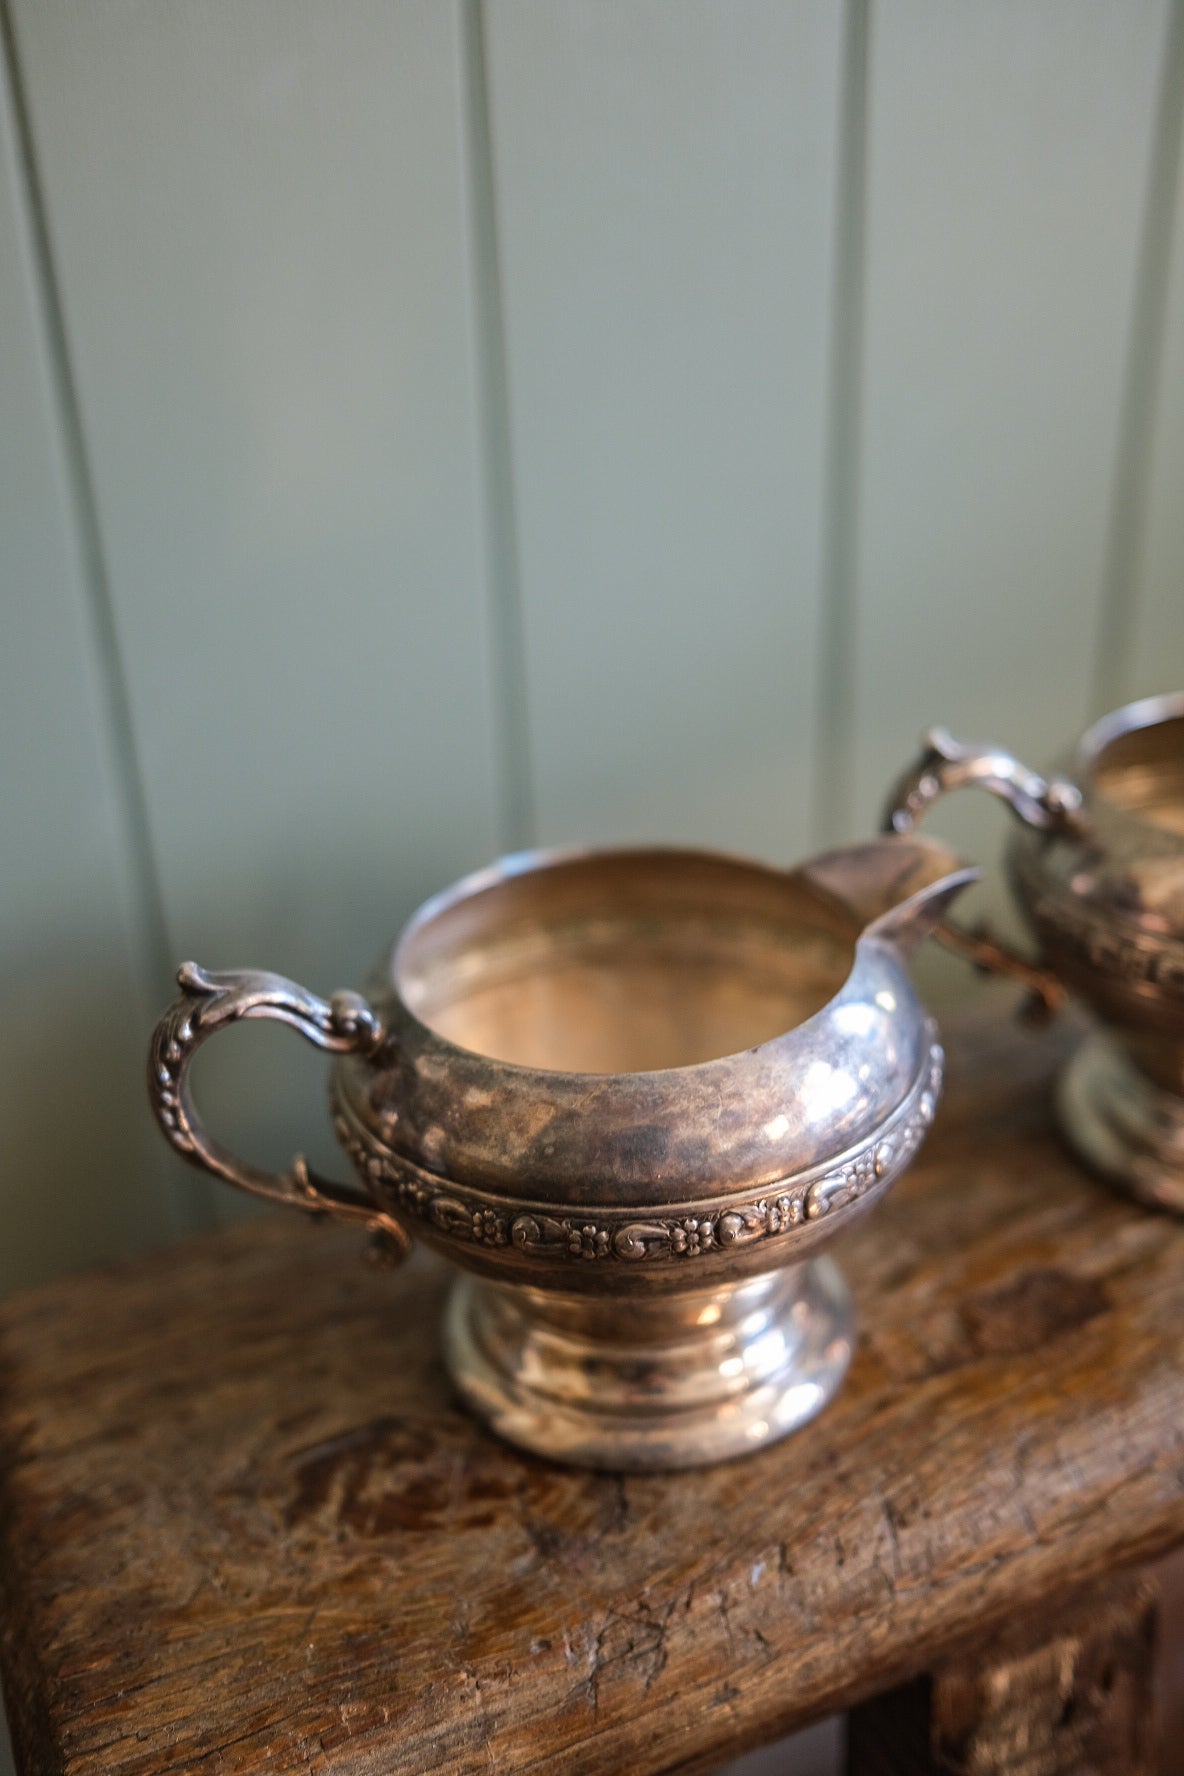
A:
898,887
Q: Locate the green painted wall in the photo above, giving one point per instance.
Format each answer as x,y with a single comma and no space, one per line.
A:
431,428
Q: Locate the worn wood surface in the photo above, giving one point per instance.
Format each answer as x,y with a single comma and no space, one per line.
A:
245,1526
1063,1694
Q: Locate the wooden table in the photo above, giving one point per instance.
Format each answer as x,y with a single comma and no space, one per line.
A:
245,1527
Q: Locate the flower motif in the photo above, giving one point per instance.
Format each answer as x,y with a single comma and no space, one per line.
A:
416,1198
488,1228
785,1212
692,1235
588,1242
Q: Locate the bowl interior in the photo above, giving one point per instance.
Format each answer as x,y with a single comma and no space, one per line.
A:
623,962
1141,770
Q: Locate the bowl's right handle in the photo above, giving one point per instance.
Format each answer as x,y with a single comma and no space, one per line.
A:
1051,804
208,1002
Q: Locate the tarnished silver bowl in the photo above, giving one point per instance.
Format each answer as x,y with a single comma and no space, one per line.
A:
1097,866
631,1095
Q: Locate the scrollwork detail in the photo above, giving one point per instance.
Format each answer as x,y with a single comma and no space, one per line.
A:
639,1240
594,1236
209,1002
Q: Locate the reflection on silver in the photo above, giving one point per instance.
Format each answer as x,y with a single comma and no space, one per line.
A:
577,1381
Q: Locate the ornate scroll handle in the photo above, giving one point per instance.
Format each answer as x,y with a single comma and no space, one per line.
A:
1052,804
207,1003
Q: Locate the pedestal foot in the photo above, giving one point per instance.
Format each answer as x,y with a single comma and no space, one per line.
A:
670,1382
1122,1124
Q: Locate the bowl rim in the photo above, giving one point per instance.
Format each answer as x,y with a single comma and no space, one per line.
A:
516,864
1129,718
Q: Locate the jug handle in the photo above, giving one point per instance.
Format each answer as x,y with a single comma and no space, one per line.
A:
208,1002
1051,804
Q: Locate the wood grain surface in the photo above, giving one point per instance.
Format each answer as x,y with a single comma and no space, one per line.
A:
247,1528
1069,1693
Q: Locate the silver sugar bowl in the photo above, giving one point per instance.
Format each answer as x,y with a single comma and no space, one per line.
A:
1097,866
631,1095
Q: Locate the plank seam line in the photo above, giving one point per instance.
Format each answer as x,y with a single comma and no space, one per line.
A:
150,942
1139,402
835,740
511,713
130,793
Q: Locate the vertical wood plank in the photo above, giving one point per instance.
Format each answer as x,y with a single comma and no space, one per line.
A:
260,213
1008,154
81,1176
836,740
1153,652
664,183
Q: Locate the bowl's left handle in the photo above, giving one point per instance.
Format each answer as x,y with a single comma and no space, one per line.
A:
1051,804
345,1024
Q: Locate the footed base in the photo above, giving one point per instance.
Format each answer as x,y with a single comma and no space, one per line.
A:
1122,1124
661,1382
